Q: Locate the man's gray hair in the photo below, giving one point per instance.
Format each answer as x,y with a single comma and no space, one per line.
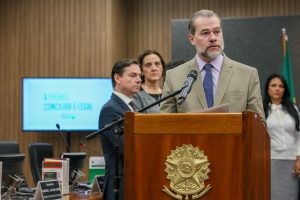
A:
200,13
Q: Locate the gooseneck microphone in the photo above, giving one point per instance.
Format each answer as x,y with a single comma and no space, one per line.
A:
62,135
187,86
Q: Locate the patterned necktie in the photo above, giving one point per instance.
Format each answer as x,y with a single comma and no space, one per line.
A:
133,106
208,85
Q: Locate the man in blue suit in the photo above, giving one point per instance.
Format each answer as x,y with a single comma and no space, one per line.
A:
126,80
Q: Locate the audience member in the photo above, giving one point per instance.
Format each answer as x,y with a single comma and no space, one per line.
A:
152,67
126,81
282,119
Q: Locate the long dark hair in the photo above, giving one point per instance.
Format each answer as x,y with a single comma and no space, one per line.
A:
286,102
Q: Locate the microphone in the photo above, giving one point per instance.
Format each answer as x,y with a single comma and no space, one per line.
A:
89,148
121,119
187,86
62,135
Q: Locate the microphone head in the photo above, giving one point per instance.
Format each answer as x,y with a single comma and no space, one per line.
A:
191,78
193,74
57,126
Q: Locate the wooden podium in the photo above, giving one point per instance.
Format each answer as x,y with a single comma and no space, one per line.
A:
237,147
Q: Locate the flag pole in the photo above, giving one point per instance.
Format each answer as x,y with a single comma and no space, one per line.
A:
284,39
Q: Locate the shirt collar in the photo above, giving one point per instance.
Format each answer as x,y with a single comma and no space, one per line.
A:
276,107
122,96
217,62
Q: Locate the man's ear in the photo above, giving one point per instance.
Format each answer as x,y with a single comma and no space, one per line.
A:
117,78
191,39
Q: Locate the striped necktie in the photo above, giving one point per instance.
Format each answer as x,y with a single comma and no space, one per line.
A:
208,85
133,106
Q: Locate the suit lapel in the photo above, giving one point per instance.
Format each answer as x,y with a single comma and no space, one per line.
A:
120,102
224,80
197,89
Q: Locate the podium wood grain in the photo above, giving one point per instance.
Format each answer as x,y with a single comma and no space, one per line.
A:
236,144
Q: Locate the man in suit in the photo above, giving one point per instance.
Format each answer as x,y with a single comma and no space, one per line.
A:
126,80
227,81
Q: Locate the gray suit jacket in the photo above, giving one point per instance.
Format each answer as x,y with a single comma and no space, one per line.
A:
143,99
238,85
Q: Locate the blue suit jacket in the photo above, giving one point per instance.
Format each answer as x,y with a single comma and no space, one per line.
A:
112,110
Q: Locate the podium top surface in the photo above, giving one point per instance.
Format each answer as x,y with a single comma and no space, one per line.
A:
192,123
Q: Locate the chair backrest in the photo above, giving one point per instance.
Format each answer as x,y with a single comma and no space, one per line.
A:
12,147
37,152
9,147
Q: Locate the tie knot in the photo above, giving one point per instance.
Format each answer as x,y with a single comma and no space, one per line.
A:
207,67
133,106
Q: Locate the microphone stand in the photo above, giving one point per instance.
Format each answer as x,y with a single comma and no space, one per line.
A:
110,125
118,129
117,132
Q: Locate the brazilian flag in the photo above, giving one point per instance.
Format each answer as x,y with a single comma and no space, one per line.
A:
287,68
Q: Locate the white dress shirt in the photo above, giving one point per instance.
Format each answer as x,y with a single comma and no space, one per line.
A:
285,139
124,98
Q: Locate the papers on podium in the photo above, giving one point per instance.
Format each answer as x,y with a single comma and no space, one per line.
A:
57,169
223,108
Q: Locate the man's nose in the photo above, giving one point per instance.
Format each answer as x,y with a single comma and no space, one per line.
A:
139,79
212,37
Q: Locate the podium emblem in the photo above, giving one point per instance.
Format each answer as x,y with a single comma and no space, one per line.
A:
187,169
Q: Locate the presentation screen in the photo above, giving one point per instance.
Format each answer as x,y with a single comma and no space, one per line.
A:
73,103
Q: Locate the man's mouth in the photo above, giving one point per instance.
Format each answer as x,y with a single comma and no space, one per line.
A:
215,46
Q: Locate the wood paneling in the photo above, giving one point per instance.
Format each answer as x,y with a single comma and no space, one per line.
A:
56,38
83,38
150,22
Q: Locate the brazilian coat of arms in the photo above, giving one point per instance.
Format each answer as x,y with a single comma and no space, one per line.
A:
187,169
